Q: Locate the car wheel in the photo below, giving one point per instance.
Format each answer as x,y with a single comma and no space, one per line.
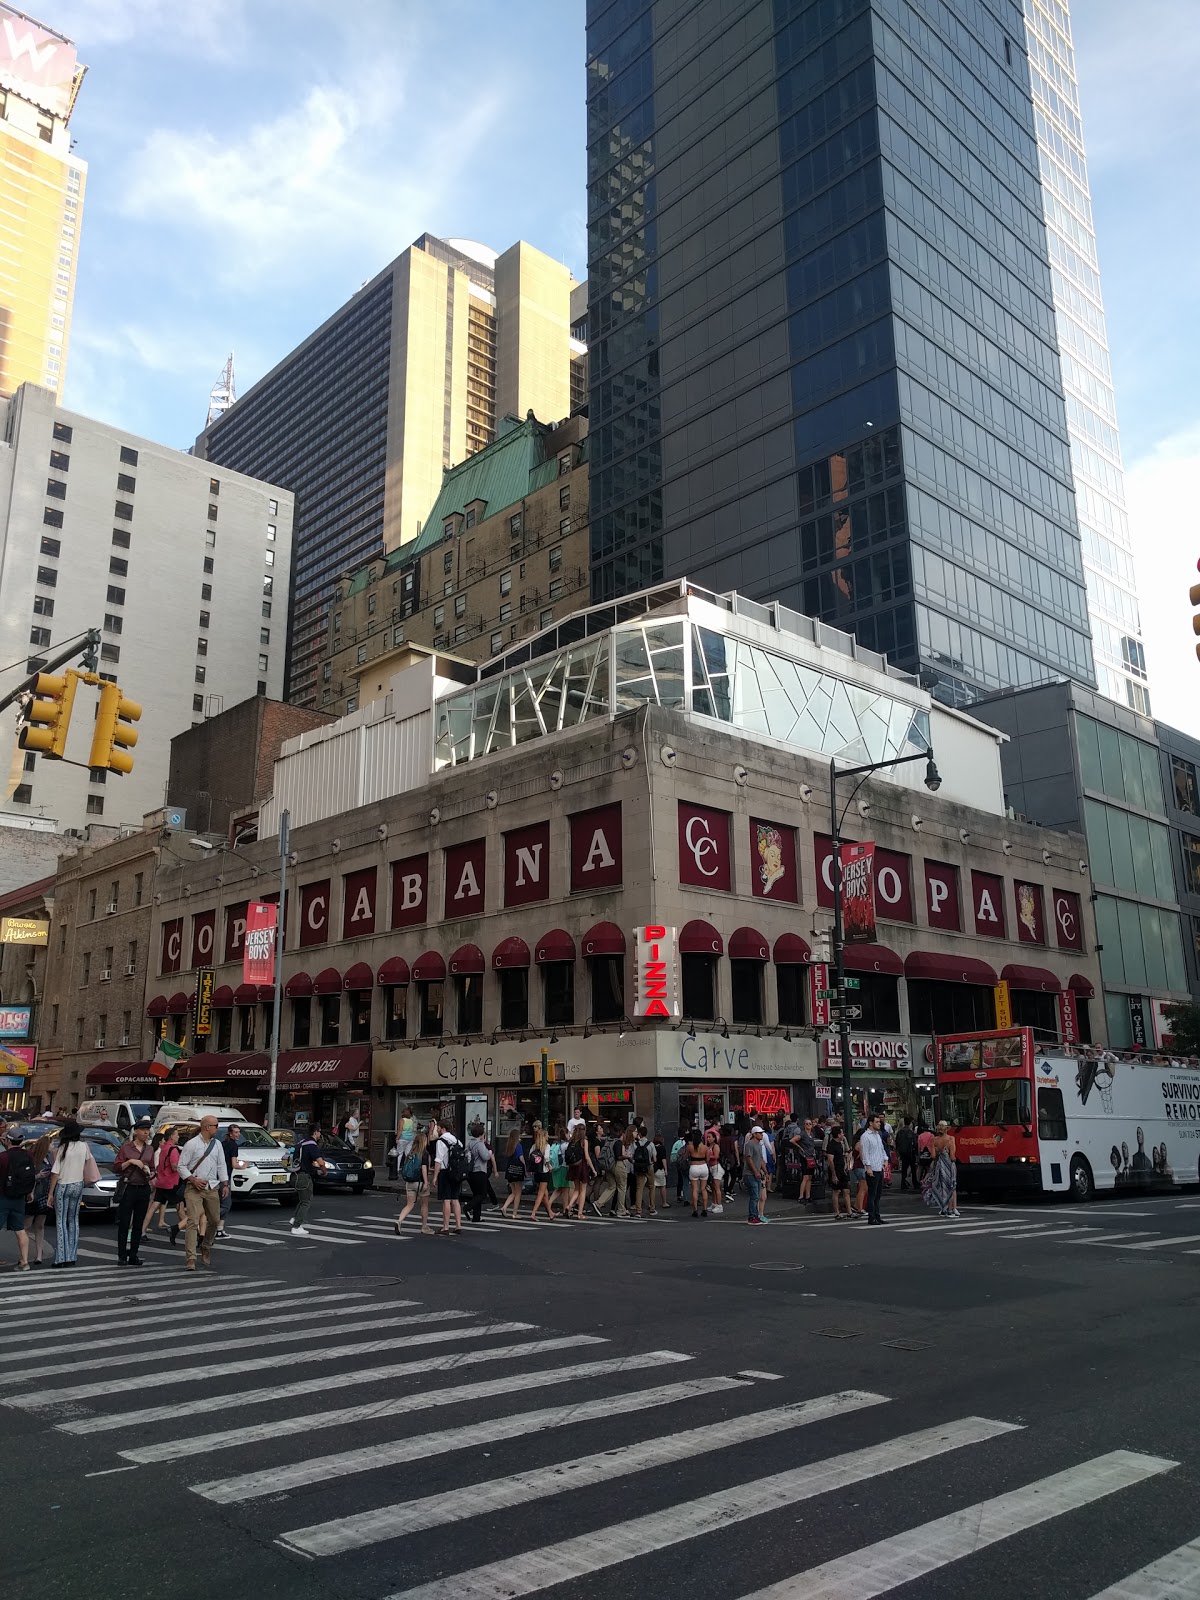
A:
1083,1186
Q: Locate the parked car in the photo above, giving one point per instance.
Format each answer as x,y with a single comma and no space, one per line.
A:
102,1142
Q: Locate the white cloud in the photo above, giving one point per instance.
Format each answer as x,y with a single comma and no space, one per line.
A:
215,29
1163,491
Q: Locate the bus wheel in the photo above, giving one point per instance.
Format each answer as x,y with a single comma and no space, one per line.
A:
1082,1186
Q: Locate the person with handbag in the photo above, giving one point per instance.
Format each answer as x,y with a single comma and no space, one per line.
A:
514,1174
74,1165
134,1166
414,1170
36,1209
205,1177
539,1167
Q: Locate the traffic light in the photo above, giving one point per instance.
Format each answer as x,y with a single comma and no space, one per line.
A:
1194,597
115,734
49,714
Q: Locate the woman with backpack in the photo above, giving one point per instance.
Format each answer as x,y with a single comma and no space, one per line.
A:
74,1165
679,1161
166,1180
36,1209
539,1167
556,1156
514,1174
414,1169
580,1171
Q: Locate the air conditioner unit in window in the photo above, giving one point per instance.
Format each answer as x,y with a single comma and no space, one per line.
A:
130,970
110,908
106,975
124,1039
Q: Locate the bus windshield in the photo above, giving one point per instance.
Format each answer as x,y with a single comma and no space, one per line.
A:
960,1103
1006,1101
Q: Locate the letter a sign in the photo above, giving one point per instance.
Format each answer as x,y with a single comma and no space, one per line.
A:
656,992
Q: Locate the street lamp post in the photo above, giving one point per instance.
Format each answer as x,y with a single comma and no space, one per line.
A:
277,1000
933,782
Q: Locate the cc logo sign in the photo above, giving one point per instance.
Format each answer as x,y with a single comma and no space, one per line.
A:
704,847
1065,915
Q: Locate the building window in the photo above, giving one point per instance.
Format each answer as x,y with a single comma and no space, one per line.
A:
224,1030
23,794
39,636
52,517
397,636
514,524
263,663
514,997
246,1019
212,513
460,606
123,510
200,672
204,616
269,558
202,646
51,547
698,975
129,456
558,994
43,605
448,562
351,703
949,1007
121,538
432,1003
460,633
206,591
95,805
115,595
360,655
301,1022
506,582
47,577
506,611
608,988
209,567
102,1030
556,589
271,531
546,618
126,1023
112,622
125,483
395,1011
197,704
110,652
266,608
118,566
56,489
1183,778
564,464
272,508
138,884
469,520
1191,863
746,984
63,432
79,1033
555,557
371,604
214,486
469,987
791,984
54,1020
210,538
327,672
496,644
97,774
439,616
91,913
60,461
264,636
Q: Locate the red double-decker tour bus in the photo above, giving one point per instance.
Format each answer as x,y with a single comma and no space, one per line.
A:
1034,1119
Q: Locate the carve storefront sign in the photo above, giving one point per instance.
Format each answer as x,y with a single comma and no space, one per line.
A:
704,853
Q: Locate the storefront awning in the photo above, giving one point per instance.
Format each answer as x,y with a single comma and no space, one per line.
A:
157,1006
241,1068
512,952
393,972
605,939
266,994
557,945
298,986
222,999
321,1069
467,959
328,981
246,994
177,1005
429,968
948,969
791,951
1039,978
122,1072
872,958
700,938
358,978
747,944
1078,984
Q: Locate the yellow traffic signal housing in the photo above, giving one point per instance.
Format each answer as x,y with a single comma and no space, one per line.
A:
49,715
115,734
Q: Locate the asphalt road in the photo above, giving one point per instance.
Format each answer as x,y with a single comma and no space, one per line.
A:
673,1408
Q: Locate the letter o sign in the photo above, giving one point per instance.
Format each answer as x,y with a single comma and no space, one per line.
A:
888,886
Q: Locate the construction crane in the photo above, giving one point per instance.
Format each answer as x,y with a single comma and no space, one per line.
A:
222,394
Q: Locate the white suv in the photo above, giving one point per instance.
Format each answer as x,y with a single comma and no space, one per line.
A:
263,1166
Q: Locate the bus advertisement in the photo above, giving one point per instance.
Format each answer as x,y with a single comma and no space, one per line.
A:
1034,1119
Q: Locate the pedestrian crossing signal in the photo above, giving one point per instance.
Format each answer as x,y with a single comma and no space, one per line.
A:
115,734
49,715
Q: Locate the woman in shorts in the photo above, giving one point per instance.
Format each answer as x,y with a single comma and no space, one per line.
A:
166,1179
858,1176
837,1162
697,1160
539,1169
414,1169
716,1171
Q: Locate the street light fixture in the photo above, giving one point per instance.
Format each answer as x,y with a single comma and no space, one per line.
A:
933,782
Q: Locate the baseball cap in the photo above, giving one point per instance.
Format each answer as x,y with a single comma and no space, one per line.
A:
757,1129
142,1122
15,1135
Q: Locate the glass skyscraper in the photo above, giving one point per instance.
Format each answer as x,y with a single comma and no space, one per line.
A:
1087,374
824,366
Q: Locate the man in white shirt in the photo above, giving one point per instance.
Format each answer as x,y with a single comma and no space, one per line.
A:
577,1121
449,1169
874,1155
352,1127
205,1179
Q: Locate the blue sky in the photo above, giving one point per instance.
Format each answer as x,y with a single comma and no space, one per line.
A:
251,162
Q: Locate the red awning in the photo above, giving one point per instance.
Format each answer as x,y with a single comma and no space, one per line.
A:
467,959
359,977
393,972
871,958
157,1006
511,952
319,1069
747,944
557,945
246,994
298,986
247,1069
700,938
1081,985
1040,978
115,1072
605,939
222,998
177,1005
948,969
429,968
791,951
328,981
266,994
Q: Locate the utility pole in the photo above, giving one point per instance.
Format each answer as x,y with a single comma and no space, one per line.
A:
545,1092
285,819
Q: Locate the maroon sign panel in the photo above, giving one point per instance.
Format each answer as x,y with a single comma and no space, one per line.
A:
942,905
1031,916
1068,1017
172,946
204,927
314,912
1068,920
596,849
857,862
465,878
773,874
358,903
893,886
705,857
527,864
987,904
410,891
823,851
235,931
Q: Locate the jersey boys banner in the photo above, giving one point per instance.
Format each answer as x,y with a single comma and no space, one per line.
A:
258,949
858,892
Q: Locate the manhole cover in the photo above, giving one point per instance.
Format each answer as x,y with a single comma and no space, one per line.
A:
840,1333
776,1266
907,1344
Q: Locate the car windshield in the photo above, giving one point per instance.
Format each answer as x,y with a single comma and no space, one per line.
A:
144,1108
333,1141
103,1150
258,1137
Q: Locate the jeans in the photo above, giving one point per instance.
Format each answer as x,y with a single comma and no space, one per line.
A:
874,1190
304,1188
681,1179
131,1214
753,1191
226,1204
66,1221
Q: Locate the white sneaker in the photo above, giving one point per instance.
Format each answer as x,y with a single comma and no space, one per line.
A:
300,1233
717,1211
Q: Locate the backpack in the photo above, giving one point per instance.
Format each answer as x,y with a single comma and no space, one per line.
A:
679,1152
574,1156
411,1170
457,1165
514,1170
642,1163
19,1175
605,1156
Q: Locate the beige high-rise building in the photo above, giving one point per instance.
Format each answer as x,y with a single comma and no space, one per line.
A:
41,201
407,379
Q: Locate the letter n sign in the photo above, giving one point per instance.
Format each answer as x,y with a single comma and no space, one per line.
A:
527,865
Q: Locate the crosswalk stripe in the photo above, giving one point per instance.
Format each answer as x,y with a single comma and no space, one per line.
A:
254,1341
386,1410
227,1369
880,1568
31,1288
91,1298
288,1310
331,1380
185,1308
582,1471
1162,1244
164,1247
398,1452
562,1561
1175,1576
1107,1238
